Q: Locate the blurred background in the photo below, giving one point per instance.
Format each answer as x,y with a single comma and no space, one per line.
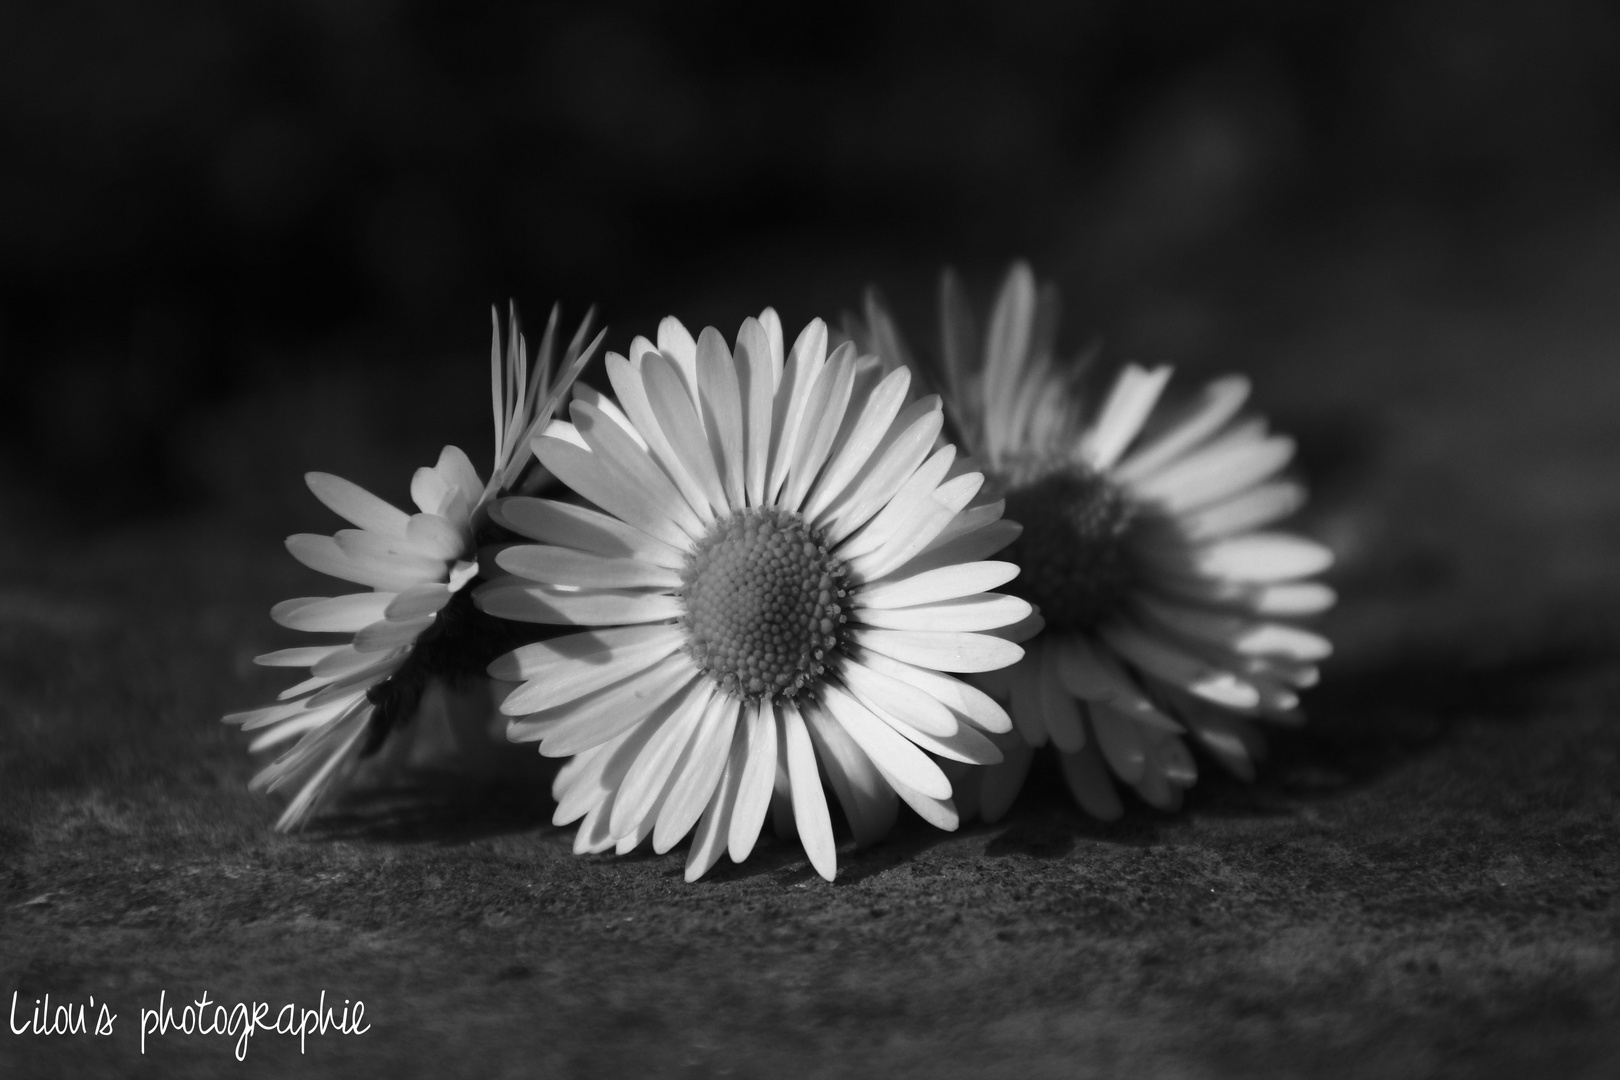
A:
238,241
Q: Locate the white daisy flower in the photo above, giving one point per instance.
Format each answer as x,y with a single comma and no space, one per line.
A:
782,566
1148,550
417,625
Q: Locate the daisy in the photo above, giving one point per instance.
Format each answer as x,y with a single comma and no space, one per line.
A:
1148,550
779,569
416,628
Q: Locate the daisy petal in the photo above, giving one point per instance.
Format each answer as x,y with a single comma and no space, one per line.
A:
1178,668
1240,635
942,583
676,342
986,611
899,700
458,473
940,813
1253,509
1058,707
709,840
332,747
608,487
334,615
593,836
1091,674
391,634
889,751
941,651
1000,784
632,470
564,669
253,719
908,505
1155,787
869,803
554,657
1295,598
679,421
809,802
610,409
698,776
1135,393
582,528
967,546
1088,782
771,323
349,660
567,432
919,426
432,535
1120,743
758,781
937,513
599,717
967,700
1231,739
673,724
303,656
347,686
1173,759
1220,402
395,556
630,385
578,784
419,600
565,566
305,687
1024,700
882,406
1263,557
1216,472
965,744
429,491
323,555
800,373
1012,322
596,607
823,415
596,782
757,375
1294,674
355,504
293,728
721,399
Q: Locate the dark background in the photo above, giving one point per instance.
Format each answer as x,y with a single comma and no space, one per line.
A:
312,205
243,240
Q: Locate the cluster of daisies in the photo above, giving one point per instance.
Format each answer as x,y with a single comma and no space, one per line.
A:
761,572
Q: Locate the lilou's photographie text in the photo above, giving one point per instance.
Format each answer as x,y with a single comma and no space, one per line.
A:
236,1022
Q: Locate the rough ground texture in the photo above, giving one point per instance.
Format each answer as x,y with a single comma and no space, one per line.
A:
1422,884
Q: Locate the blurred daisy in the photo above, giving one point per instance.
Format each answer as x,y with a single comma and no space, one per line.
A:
781,567
416,632
1147,549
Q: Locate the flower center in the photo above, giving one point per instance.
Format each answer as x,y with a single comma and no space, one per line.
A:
765,603
1074,550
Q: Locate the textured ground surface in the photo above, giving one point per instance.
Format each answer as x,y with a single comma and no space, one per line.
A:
1423,884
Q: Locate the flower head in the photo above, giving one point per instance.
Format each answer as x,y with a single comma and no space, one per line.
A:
1147,549
417,624
780,565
